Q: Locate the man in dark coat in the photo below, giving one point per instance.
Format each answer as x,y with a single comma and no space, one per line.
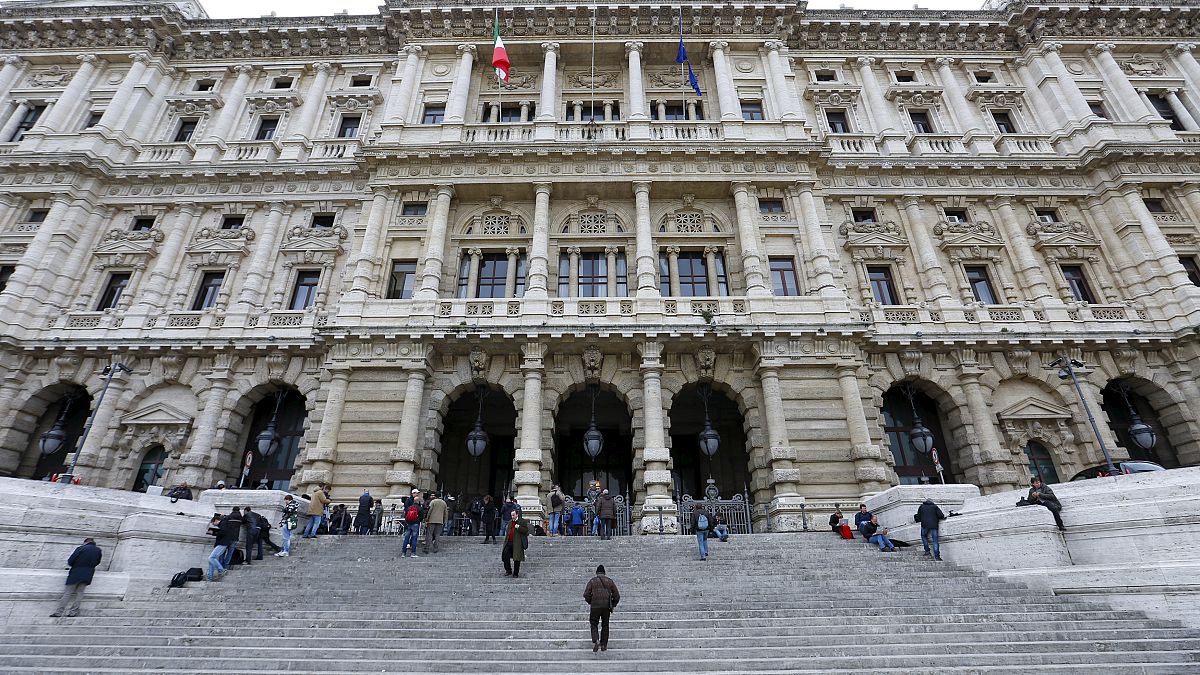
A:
929,516
181,491
1042,495
606,510
516,540
228,530
861,519
253,529
83,563
362,520
602,596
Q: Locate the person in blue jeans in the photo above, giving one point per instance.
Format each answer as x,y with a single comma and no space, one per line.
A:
861,519
719,528
702,522
930,516
878,535
554,505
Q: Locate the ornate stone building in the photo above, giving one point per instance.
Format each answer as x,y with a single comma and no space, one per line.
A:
341,232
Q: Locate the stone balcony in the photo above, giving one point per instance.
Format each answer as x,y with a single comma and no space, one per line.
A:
924,145
898,321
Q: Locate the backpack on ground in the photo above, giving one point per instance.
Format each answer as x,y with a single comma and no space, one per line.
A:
178,580
702,522
412,514
195,574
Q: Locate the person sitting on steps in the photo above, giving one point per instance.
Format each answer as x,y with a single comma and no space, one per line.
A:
861,519
720,529
1042,495
878,535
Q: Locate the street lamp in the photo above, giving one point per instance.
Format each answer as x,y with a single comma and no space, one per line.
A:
1140,433
268,439
108,373
1066,369
52,441
709,439
920,436
593,440
477,438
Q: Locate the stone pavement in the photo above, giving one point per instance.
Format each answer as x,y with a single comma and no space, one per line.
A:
797,603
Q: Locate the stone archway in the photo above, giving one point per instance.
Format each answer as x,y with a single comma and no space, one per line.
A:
1156,408
898,416
459,474
574,471
278,466
66,401
730,466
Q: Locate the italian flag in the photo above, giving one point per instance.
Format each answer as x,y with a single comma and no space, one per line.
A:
499,54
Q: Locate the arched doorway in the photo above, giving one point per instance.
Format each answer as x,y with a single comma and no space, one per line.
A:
1126,399
463,476
914,467
729,467
151,469
1041,464
613,467
62,425
288,409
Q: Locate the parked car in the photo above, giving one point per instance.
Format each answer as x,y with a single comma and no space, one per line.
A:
1122,468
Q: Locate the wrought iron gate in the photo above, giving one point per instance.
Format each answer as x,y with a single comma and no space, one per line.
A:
734,512
589,506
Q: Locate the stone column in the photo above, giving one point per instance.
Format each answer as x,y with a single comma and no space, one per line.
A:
747,217
476,255
1181,112
9,73
456,109
305,123
144,123
1126,96
156,291
220,127
1076,106
785,98
91,460
1126,273
199,464
610,268
1024,258
369,262
885,115
538,285
81,252
935,280
321,459
647,262
525,111
804,204
528,457
258,272
402,477
14,119
968,117
33,259
656,456
1185,61
870,467
608,111
573,271
995,470
784,511
731,108
76,91
124,95
1161,249
510,279
548,101
673,270
1038,105
400,101
435,243
710,269
637,92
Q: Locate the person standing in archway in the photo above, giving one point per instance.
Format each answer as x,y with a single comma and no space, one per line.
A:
602,596
489,513
606,511
516,539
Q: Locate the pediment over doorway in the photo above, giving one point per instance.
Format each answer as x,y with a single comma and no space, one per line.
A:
1034,409
157,414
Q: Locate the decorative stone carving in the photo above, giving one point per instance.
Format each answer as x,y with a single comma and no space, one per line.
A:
158,423
706,361
128,247
54,76
1035,420
593,359
1125,358
910,361
479,359
1140,66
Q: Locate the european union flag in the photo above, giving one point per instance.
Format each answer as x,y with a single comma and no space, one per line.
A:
681,58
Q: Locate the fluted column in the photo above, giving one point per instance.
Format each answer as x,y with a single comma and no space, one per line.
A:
199,463
1024,258
155,293
528,456
1076,106
1181,112
804,203
966,114
647,261
1160,248
123,97
870,468
305,122
435,243
91,453
885,116
400,101
369,261
785,98
656,456
76,91
320,459
220,128
456,109
731,108
402,476
548,101
1126,96
9,74
748,240
258,272
995,472
539,251
34,257
637,91
926,254
14,119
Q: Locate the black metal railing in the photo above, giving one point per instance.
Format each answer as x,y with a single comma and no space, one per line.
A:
734,512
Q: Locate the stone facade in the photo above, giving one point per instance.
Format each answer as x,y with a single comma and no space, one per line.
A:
348,221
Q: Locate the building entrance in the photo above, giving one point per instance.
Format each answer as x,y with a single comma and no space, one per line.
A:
612,468
463,476
729,465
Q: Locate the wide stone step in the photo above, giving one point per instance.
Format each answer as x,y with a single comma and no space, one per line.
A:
974,669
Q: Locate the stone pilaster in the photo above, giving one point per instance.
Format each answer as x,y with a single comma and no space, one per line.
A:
401,478
870,466
198,465
804,204
156,291
929,266
254,289
528,477
731,109
76,91
402,96
1025,260
91,452
1125,95
656,456
785,99
785,511
1074,105
117,110
370,262
994,469
435,243
747,216
320,460
637,90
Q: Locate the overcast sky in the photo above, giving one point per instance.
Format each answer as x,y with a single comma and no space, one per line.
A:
223,9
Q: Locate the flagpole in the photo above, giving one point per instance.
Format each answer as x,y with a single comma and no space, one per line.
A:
499,106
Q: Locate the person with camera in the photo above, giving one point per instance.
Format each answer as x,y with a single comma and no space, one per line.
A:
602,596
878,535
181,491
1042,495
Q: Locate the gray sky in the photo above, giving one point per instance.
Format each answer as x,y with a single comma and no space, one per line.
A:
223,9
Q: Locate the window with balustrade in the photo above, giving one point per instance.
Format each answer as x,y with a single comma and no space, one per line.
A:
267,126
186,129
414,209
114,288
209,290
1077,283
304,291
692,273
491,274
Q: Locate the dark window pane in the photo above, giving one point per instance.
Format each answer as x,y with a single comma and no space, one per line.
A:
1155,205
323,220
464,275
664,275
434,114
693,275
906,76
1193,269
826,76
564,275
783,276
348,128
6,272
266,128
981,285
956,215
837,122
27,121
113,290
983,77
282,83
1004,122
210,288
1078,283
770,206
1047,215
1164,110
305,293
882,286
863,215
752,110
142,224
403,280
37,215
593,275
1098,110
920,121
1041,465
493,275
187,127
92,120
414,209
361,80
233,222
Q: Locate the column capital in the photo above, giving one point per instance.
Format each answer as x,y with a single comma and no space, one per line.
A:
633,46
641,187
1104,47
474,252
411,50
774,45
139,57
865,61
742,188
718,46
533,355
845,368
800,187
543,188
1051,48
87,58
468,50
946,61
550,48
339,371
711,250
1184,47
1169,91
651,352
573,251
12,60
322,67
444,189
910,200
512,251
1001,200
242,69
612,250
672,250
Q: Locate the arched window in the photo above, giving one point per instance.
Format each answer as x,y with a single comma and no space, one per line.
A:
913,467
151,469
1040,463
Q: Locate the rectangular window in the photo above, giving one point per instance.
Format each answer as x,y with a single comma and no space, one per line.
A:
955,215
722,277
983,76
403,280
1164,110
1192,267
664,275
1155,205
783,276
143,223
883,288
233,222
1046,215
770,206
593,275
348,127
434,113
1004,123
693,274
564,275
204,85
752,111
622,276
362,80
981,285
6,272
512,112
903,76
210,288
187,127
323,219
522,272
1098,110
838,124
414,209
37,215
266,128
588,112
493,275
671,111
920,121
825,75
1078,283
27,122
863,215
113,290
282,83
93,119
305,292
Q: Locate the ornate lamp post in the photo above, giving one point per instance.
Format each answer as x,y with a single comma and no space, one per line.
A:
708,438
920,435
1140,433
593,440
477,438
54,439
268,440
1066,369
